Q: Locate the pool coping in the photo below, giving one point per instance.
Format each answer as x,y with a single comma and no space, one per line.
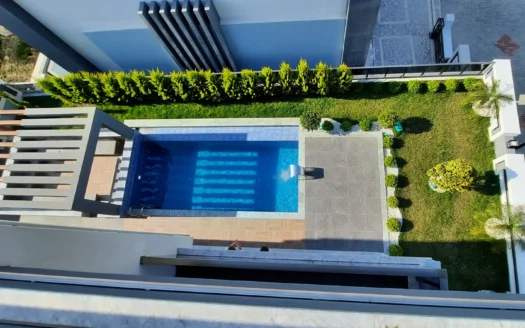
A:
118,194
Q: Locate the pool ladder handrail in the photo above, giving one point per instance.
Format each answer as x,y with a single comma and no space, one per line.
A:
141,214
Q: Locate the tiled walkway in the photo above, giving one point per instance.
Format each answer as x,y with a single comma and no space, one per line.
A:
280,233
344,210
102,175
401,34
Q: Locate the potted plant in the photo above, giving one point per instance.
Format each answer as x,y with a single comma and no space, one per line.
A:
454,175
486,100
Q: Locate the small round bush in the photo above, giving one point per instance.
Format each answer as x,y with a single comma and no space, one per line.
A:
357,87
391,180
365,124
393,225
454,175
388,142
392,202
395,87
387,119
310,120
415,86
390,161
433,86
471,83
328,126
395,250
346,125
451,85
376,87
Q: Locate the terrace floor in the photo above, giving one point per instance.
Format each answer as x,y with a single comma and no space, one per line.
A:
344,209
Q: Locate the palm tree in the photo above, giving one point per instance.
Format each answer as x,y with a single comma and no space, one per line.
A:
507,223
486,101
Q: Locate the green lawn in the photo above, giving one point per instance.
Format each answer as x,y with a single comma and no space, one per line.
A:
437,129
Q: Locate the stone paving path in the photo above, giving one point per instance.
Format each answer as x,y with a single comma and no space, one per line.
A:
401,34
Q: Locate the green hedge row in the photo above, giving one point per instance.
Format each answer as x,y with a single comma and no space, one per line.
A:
198,86
204,86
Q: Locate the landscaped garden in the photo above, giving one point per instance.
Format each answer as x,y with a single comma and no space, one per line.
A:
437,128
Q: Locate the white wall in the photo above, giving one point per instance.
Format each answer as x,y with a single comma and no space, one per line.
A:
508,116
267,11
84,250
514,163
70,19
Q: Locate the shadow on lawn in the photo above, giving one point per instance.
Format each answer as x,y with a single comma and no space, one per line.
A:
402,181
416,125
487,183
401,162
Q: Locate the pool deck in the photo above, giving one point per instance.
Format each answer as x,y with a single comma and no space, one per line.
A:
207,231
344,210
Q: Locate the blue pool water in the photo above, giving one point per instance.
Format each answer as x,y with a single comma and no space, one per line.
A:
216,175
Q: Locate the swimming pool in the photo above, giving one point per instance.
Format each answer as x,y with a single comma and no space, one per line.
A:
215,175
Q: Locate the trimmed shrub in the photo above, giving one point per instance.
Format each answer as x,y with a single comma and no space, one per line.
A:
78,87
142,82
344,79
346,125
161,84
94,88
304,78
376,87
392,202
286,78
454,175
111,87
323,78
249,83
393,225
198,83
433,86
181,86
310,120
230,84
390,161
215,87
127,85
471,83
328,126
365,124
391,180
451,85
387,119
269,79
415,86
388,142
395,87
395,250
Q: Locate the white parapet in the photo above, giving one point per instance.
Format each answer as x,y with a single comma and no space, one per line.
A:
508,121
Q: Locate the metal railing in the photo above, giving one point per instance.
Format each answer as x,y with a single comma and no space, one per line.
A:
421,71
437,36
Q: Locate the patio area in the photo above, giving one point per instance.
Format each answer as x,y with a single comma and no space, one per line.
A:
345,210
